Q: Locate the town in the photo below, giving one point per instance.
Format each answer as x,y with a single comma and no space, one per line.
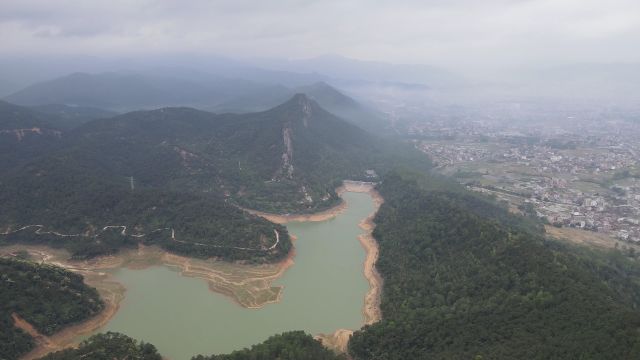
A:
576,172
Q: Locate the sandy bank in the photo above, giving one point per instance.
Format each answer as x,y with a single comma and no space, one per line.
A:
371,309
319,216
111,293
249,286
339,340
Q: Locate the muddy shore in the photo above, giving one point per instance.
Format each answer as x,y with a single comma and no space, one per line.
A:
371,308
339,340
222,277
249,286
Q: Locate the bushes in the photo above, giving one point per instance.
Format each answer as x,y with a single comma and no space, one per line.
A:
46,296
294,345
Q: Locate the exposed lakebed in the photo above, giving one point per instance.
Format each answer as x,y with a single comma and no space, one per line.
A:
323,291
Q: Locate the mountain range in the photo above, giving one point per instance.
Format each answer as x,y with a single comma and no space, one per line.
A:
182,175
125,91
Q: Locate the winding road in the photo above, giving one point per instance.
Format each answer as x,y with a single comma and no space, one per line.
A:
40,231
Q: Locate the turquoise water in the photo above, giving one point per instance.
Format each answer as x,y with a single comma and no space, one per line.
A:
323,291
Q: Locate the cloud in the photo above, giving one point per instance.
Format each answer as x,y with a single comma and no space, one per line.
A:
449,33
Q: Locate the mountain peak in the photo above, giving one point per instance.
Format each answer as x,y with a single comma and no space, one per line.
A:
301,98
301,102
321,84
328,95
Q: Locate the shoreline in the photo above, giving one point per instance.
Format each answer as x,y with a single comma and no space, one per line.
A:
225,278
339,340
371,309
322,215
222,277
111,292
372,312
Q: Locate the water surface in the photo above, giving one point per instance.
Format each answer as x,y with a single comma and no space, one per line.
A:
323,291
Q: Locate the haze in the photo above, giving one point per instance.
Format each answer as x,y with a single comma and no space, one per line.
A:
580,49
319,179
444,33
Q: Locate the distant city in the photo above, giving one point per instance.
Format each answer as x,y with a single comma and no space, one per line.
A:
575,170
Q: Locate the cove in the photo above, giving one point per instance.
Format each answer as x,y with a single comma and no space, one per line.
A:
323,291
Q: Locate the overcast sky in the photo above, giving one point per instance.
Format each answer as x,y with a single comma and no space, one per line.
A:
436,32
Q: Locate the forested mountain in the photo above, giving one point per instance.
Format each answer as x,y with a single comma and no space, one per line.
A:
80,96
294,345
175,176
76,189
24,133
464,279
347,108
18,117
122,91
328,97
47,297
292,156
68,117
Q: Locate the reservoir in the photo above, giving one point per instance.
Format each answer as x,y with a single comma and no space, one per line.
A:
323,291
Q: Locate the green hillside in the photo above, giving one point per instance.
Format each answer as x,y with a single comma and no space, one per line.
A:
177,176
46,296
116,91
24,134
68,117
328,97
126,91
461,284
108,346
320,150
293,345
347,108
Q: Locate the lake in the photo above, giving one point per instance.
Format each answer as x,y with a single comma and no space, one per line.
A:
323,291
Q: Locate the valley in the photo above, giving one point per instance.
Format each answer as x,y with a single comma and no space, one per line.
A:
179,178
163,212
326,245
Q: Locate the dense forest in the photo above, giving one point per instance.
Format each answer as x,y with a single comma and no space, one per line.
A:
465,279
24,134
188,171
108,346
205,226
68,117
293,345
46,296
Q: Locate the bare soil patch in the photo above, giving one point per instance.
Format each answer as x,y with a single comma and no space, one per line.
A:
585,237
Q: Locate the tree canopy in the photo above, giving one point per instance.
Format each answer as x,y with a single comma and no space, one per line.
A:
46,296
463,278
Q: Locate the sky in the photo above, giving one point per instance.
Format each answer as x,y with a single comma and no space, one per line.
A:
448,33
